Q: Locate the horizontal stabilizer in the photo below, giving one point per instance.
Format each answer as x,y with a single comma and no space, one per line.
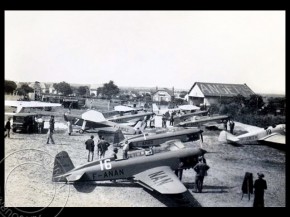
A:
227,137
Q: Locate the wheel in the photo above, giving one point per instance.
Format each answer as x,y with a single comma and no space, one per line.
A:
81,131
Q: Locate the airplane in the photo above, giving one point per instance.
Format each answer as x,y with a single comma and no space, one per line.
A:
178,118
95,119
154,172
205,121
22,105
271,134
131,118
145,141
119,111
124,109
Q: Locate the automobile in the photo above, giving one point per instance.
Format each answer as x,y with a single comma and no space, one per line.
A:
21,122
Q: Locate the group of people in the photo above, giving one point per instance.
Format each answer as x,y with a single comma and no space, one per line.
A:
231,125
102,147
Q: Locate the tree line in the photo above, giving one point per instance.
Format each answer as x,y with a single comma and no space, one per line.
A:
108,90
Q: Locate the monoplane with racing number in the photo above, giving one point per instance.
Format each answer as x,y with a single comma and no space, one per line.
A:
154,172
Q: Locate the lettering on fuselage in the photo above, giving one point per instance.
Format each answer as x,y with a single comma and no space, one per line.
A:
113,173
122,128
160,178
250,138
108,174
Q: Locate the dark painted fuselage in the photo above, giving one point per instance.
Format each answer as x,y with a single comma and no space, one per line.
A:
108,169
184,135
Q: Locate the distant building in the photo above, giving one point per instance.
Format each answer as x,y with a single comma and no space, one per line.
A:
94,89
162,95
211,93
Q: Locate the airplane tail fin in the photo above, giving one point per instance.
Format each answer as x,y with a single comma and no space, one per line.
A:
176,121
155,109
140,126
62,164
227,137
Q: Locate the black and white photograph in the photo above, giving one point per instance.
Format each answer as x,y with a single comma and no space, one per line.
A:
143,108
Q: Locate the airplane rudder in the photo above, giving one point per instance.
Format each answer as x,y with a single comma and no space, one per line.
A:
62,164
223,136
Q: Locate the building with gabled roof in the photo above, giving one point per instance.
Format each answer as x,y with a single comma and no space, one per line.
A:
163,94
211,93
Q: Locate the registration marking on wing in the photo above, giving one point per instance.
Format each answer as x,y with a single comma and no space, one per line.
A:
160,178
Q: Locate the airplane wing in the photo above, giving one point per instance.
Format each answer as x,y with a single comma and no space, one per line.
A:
210,124
161,179
121,108
188,107
93,116
274,138
30,104
175,144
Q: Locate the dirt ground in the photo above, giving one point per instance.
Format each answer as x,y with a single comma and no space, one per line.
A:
29,161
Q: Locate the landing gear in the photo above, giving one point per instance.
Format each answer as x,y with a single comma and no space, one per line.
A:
81,131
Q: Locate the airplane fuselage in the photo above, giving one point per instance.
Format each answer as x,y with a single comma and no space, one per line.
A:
108,169
126,118
255,136
185,135
202,120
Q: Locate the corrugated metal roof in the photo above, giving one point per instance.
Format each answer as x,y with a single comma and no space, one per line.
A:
219,89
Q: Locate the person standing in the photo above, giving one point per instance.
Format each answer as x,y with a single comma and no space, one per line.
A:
50,130
171,119
152,121
69,127
232,125
8,127
125,150
103,146
201,170
114,155
90,146
164,121
260,185
226,125
179,171
40,123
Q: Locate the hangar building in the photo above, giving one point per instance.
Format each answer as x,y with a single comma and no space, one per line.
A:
211,93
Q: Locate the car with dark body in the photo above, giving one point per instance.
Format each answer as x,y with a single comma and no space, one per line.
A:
24,122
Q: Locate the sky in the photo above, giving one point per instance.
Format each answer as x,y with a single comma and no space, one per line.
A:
147,48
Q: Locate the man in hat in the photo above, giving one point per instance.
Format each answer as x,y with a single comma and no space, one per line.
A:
114,155
260,185
90,146
103,147
201,169
50,130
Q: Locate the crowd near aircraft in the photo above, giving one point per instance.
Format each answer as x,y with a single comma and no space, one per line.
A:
272,134
154,172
